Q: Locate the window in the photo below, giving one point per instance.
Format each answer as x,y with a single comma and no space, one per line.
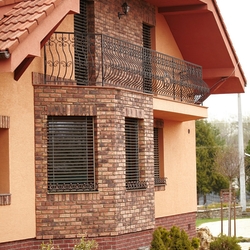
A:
133,178
71,154
4,163
158,153
5,196
81,41
147,61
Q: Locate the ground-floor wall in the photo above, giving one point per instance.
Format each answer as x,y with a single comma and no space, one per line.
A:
17,175
132,241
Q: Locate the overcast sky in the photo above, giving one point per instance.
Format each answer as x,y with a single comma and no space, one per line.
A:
237,20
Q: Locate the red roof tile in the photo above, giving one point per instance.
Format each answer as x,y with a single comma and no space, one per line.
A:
8,2
22,19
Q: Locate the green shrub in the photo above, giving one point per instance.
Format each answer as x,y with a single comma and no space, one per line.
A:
225,242
172,240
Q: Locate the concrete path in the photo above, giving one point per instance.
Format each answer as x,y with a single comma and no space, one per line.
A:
242,229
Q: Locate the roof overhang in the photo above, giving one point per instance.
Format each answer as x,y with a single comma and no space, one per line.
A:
202,38
25,52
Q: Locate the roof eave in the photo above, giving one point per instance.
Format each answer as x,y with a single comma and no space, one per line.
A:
31,45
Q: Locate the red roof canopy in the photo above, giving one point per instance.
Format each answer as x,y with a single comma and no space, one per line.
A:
202,38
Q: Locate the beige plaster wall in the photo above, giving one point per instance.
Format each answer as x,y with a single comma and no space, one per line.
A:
17,221
180,169
164,41
179,144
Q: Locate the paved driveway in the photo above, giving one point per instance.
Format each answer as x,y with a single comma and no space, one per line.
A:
242,229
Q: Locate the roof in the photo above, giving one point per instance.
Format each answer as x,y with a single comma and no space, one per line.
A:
32,19
201,35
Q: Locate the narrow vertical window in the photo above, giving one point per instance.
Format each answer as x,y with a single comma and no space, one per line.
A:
147,59
158,153
71,154
132,150
81,44
133,175
5,196
4,162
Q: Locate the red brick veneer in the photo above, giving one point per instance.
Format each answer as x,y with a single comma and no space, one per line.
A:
130,241
112,210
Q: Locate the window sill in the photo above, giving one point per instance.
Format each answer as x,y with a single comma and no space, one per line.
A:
68,192
5,199
160,187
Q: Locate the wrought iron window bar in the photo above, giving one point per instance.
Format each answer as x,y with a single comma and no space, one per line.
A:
107,61
72,187
160,181
135,185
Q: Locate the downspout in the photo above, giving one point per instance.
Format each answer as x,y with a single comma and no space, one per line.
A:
4,54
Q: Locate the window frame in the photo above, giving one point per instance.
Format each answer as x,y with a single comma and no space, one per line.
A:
159,178
71,154
134,178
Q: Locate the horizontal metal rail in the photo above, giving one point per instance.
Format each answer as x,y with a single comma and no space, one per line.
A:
97,59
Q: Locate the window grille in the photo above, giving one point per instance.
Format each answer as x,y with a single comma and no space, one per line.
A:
147,63
156,154
146,36
81,44
131,137
133,178
71,154
158,169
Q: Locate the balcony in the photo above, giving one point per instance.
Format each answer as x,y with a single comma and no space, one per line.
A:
100,60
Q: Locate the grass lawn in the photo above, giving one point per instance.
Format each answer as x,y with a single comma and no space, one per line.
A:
201,221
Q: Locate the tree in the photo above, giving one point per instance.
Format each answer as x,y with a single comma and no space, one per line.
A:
228,129
228,164
208,142
247,167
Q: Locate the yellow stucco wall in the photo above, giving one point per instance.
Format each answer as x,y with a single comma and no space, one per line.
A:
164,40
180,169
17,221
179,142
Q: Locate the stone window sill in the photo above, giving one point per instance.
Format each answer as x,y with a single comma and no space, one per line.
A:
5,199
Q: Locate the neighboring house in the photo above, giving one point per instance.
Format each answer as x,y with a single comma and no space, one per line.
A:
97,116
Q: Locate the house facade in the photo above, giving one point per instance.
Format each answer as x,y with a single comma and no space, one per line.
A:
97,116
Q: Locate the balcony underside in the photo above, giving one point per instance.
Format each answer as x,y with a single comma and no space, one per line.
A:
201,36
177,111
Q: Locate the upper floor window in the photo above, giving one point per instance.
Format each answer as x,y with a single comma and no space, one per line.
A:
147,63
71,154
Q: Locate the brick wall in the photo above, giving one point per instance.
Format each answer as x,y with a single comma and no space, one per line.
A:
105,19
112,210
131,241
184,221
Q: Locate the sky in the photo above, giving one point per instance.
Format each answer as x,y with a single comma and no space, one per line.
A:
235,14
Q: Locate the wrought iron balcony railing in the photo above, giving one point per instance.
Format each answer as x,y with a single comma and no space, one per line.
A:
97,59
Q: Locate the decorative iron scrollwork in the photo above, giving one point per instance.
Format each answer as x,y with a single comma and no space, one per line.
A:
133,185
96,59
160,181
72,187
